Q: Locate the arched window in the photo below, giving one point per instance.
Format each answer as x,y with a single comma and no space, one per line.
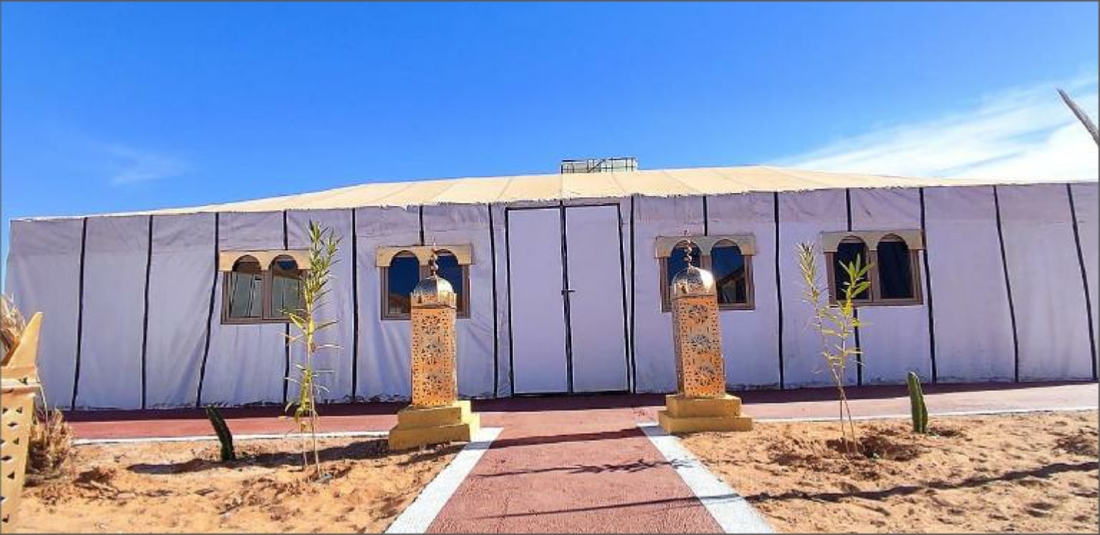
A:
847,252
399,279
286,286
244,293
732,275
459,277
673,264
894,264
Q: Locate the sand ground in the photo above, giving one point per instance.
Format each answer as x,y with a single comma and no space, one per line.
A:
179,487
1022,473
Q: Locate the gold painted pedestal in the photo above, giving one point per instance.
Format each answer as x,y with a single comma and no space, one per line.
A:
690,415
421,426
701,402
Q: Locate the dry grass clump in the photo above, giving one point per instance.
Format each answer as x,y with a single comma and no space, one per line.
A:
50,454
12,324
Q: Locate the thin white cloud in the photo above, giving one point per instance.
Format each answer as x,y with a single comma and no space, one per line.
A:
128,165
1023,133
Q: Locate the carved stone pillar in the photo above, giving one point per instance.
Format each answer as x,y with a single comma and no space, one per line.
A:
701,402
436,415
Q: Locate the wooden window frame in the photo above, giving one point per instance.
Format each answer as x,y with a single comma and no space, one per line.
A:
463,310
874,292
267,287
705,263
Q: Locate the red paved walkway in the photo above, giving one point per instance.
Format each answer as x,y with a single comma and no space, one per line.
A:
803,403
562,471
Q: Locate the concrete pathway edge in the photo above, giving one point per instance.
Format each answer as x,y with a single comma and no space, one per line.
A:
729,509
203,438
419,515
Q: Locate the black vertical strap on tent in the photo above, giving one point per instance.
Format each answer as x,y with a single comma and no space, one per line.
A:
855,310
1008,288
1084,277
80,310
928,290
508,289
633,291
210,314
145,319
622,285
778,285
286,327
706,224
566,300
355,309
420,216
493,268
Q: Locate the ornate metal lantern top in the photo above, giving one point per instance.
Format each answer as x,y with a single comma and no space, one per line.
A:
433,291
692,281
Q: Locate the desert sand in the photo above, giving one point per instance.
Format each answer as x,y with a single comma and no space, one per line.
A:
1022,473
180,487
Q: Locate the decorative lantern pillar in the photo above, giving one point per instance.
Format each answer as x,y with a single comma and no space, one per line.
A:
701,402
20,385
436,415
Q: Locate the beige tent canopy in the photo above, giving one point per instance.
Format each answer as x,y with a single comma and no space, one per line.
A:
553,187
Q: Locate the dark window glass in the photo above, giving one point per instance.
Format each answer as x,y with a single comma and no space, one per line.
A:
245,289
449,269
401,278
895,269
846,253
728,265
286,287
676,262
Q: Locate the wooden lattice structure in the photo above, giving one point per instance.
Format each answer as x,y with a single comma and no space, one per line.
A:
20,385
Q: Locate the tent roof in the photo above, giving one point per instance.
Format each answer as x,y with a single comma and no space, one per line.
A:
553,187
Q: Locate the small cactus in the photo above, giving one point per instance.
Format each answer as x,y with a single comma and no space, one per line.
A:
916,405
224,435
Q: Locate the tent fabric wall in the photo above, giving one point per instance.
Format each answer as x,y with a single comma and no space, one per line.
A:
336,363
245,363
43,275
115,260
1086,203
893,338
750,338
1047,290
469,224
180,276
971,318
384,359
802,218
503,348
654,363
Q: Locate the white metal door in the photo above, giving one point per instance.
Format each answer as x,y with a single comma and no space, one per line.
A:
539,363
597,320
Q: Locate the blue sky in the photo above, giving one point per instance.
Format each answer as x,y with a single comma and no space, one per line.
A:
110,107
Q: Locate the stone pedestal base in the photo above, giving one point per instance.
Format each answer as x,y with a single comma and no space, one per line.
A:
689,415
434,425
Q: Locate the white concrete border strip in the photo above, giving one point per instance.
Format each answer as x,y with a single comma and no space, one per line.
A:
422,512
729,509
980,412
201,438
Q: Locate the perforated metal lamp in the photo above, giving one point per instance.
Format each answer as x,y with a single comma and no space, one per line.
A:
433,315
701,402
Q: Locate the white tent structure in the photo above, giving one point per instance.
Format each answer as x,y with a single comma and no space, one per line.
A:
562,277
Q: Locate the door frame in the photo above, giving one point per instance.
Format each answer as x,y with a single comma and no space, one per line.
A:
562,211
